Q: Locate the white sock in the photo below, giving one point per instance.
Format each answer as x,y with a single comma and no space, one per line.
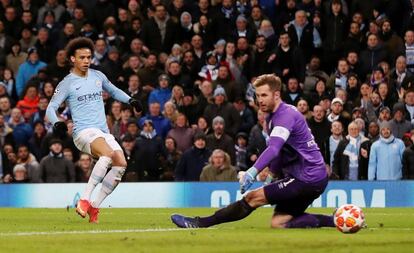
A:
98,173
109,183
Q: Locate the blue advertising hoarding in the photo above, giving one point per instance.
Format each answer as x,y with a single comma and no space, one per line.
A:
151,195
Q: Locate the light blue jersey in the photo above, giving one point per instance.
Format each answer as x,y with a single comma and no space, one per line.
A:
83,96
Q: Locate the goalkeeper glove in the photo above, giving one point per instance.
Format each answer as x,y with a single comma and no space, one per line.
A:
247,180
136,104
60,129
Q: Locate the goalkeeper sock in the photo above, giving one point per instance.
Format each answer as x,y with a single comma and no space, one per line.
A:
233,212
325,220
98,173
109,183
307,220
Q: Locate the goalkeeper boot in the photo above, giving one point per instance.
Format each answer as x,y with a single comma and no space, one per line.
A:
82,208
185,222
93,214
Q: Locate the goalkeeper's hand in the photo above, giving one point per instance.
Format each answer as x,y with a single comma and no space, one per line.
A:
247,179
60,129
136,104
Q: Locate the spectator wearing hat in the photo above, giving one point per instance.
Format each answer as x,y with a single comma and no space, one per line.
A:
28,69
225,110
193,160
182,133
16,57
243,30
226,80
219,168
162,93
337,112
161,124
149,149
55,168
132,174
160,32
347,162
53,26
408,159
209,71
220,140
186,31
385,160
399,125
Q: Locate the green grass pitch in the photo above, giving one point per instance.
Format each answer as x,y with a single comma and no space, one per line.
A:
150,230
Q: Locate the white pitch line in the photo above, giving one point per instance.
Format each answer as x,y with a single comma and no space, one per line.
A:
98,231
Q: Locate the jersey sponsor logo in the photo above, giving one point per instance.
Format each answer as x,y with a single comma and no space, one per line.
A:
281,132
90,97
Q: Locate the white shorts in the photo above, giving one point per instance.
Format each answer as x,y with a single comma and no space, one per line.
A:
87,136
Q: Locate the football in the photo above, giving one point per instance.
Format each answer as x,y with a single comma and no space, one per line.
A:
349,218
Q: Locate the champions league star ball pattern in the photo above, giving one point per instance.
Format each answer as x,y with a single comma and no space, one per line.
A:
349,218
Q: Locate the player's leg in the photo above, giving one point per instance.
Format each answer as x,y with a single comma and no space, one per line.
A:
98,148
233,212
290,210
112,178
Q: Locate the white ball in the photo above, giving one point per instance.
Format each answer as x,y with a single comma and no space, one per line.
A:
349,218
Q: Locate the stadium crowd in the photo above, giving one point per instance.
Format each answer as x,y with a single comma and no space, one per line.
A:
347,65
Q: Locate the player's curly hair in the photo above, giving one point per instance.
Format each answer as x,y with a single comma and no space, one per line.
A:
79,43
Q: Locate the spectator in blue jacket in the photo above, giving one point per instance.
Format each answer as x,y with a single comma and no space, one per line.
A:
21,130
161,124
163,93
385,160
28,69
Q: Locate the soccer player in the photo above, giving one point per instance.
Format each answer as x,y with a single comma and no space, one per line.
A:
292,151
82,90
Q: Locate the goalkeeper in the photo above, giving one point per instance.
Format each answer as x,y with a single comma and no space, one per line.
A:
291,146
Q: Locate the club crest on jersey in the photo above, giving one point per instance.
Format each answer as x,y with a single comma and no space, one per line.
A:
98,83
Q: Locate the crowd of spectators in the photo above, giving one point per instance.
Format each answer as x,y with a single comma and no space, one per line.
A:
347,65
